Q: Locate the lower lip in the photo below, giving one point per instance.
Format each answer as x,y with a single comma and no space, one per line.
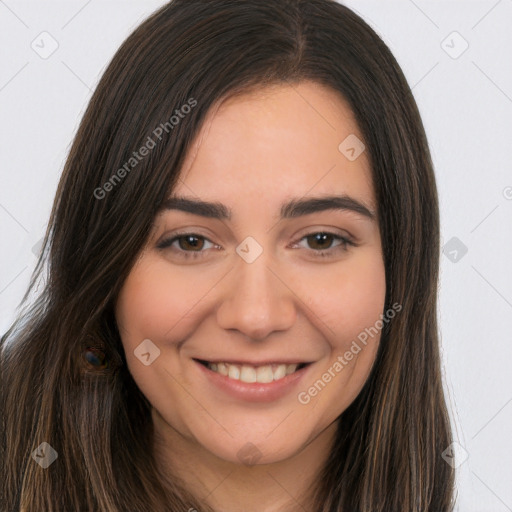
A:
254,391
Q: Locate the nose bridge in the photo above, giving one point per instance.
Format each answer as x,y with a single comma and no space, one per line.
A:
255,301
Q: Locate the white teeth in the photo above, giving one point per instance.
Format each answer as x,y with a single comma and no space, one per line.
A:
233,371
250,374
221,368
280,372
264,374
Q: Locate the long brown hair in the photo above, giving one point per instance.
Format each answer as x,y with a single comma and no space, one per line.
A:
387,455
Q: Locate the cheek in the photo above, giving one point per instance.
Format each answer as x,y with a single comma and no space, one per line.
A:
155,303
348,297
350,302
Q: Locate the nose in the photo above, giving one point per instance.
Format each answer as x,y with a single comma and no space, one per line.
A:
257,300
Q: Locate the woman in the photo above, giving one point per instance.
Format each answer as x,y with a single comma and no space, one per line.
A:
239,310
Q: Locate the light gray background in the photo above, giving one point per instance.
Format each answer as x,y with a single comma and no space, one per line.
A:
466,103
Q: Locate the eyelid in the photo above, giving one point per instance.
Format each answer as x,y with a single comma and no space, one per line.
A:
344,239
168,240
345,242
335,232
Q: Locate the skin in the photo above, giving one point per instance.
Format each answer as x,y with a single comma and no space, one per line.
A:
255,152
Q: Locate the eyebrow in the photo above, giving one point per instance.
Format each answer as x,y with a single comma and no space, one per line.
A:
291,209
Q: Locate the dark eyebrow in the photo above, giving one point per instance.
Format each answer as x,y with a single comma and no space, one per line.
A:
292,209
298,207
203,208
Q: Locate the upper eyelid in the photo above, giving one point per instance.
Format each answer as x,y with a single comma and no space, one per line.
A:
168,241
326,232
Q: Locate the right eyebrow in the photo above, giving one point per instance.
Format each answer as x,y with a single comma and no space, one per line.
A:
197,207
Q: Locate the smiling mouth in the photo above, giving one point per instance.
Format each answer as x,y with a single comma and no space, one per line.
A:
247,373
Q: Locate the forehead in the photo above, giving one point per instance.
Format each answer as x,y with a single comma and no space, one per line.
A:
277,142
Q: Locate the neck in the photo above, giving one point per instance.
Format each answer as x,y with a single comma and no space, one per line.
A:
282,486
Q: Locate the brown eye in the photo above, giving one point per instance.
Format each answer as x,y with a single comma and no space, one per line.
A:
186,245
320,241
324,244
190,242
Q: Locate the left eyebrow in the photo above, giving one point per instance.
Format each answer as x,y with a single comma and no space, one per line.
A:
292,209
299,207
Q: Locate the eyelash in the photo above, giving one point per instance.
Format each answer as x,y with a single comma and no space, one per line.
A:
320,253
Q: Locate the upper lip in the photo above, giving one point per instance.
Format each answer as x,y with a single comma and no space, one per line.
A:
253,363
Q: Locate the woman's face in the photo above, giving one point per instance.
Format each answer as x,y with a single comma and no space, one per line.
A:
261,280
